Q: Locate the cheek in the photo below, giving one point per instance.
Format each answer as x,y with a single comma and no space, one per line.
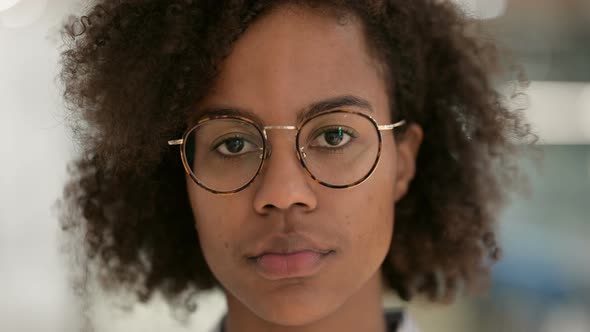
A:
366,215
216,225
375,226
376,209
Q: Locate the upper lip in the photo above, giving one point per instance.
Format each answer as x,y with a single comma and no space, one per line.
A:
287,244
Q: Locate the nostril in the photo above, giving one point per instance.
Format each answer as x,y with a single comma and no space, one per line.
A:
269,207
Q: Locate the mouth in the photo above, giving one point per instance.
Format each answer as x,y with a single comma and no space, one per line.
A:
294,264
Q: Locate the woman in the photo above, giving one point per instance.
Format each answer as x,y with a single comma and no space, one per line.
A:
270,147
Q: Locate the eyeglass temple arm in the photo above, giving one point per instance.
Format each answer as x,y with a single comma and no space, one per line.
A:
392,126
176,142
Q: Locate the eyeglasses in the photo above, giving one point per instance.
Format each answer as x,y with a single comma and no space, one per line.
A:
338,149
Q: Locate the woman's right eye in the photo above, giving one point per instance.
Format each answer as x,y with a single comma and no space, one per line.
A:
235,146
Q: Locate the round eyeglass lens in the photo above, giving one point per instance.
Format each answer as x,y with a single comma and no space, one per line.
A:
339,148
224,155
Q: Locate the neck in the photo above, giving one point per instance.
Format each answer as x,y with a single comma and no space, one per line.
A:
363,311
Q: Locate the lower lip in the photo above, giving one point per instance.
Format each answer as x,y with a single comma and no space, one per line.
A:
295,265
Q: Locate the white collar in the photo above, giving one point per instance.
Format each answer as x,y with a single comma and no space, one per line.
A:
408,324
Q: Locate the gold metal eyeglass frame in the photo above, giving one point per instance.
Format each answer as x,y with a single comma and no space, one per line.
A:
266,148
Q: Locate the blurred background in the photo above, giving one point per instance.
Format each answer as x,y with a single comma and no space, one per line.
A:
542,284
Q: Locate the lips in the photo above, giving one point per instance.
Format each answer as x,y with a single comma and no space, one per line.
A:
291,265
289,256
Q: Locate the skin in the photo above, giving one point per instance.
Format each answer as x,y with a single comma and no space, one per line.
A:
284,62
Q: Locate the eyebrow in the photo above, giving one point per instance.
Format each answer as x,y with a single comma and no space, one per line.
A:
333,103
303,114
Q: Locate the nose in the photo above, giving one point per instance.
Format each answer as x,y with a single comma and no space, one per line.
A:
283,182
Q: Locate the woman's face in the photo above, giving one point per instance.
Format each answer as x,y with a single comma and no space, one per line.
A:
286,248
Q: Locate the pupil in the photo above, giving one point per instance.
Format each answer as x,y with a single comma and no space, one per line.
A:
334,137
234,145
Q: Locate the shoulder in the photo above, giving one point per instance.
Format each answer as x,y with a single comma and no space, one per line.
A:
400,321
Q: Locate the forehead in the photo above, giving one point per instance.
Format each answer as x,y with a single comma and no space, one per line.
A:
294,57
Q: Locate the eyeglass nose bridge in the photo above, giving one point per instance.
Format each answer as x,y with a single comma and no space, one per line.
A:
268,146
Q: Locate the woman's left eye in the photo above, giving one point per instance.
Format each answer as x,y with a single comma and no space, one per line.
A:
332,138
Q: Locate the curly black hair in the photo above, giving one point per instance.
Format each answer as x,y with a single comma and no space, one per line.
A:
133,71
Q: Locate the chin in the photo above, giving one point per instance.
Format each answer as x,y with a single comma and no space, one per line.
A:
289,315
292,310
